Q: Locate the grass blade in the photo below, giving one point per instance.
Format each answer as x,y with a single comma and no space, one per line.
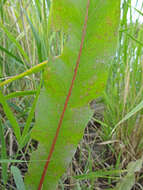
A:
34,69
2,2
10,54
25,133
10,117
100,174
37,3
3,154
134,39
130,114
20,93
36,36
12,38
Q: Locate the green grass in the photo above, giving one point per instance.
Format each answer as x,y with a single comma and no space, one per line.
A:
110,143
124,91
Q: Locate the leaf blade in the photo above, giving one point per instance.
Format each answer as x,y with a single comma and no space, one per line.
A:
88,85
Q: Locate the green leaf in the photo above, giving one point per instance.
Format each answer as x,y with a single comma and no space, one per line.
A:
17,178
74,123
37,38
12,38
48,3
128,115
135,166
100,174
38,6
20,93
3,153
2,3
98,48
10,117
30,71
19,161
128,181
10,54
25,135
11,161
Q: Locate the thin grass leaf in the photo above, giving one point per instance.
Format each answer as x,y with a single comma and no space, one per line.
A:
37,38
11,161
3,154
38,7
100,122
11,55
141,13
19,94
2,3
14,106
25,135
17,44
10,117
113,174
19,161
48,3
30,71
129,115
134,39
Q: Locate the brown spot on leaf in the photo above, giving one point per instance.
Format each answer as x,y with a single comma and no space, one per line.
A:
109,21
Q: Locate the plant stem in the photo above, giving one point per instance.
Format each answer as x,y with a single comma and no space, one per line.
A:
30,71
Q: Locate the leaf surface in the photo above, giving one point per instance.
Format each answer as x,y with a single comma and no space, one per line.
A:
98,48
17,178
128,181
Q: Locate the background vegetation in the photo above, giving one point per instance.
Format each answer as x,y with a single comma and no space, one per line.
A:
110,154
